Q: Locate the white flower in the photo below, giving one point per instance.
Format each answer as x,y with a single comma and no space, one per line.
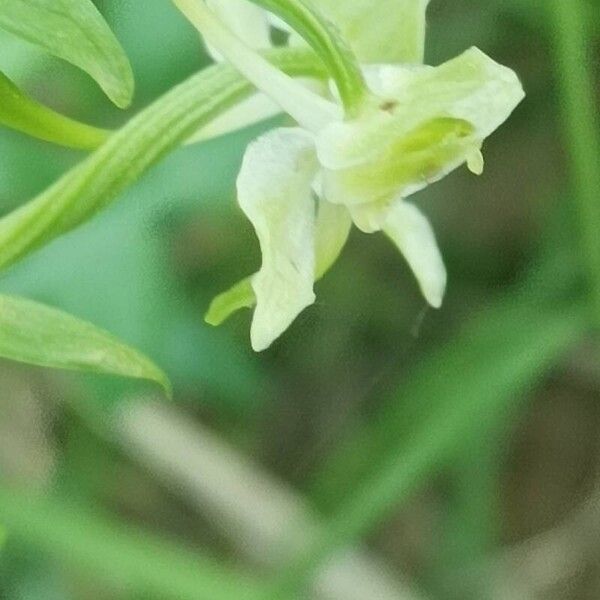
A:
303,187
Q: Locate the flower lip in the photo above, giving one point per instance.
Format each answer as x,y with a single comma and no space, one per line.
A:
471,88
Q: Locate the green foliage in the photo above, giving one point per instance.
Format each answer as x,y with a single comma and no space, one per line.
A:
39,335
462,392
75,31
127,558
451,403
580,116
20,112
130,152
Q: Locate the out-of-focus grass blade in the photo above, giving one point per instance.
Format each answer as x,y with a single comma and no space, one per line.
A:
463,390
114,552
36,334
20,112
75,31
477,363
131,151
574,49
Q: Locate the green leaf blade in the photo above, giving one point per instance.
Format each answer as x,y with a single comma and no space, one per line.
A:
36,334
75,31
81,538
23,114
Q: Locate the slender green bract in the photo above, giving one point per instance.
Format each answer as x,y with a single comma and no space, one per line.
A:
36,334
131,151
20,112
328,44
75,31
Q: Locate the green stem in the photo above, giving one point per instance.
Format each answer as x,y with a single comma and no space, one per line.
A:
23,114
327,43
580,116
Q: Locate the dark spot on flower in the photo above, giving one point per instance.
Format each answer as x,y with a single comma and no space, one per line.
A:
389,106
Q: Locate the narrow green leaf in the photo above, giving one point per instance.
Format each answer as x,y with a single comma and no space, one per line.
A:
20,112
117,553
75,31
464,389
132,150
576,68
39,335
483,360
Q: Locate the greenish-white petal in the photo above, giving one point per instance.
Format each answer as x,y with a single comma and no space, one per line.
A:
412,233
246,20
414,161
431,121
384,31
333,228
275,192
472,88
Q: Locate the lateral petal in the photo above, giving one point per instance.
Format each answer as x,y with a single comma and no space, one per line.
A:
275,193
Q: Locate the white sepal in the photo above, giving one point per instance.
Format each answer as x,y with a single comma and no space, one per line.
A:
275,193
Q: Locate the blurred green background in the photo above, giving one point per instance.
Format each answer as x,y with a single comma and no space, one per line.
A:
456,452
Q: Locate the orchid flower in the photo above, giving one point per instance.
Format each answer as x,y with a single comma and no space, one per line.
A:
303,187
